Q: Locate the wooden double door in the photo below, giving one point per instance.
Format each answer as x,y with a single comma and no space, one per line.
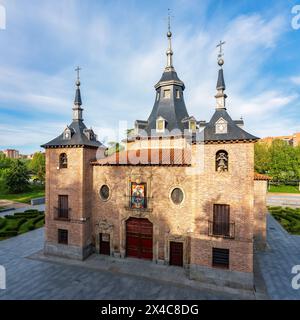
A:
139,238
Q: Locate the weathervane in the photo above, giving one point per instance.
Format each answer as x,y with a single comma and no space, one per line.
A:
221,54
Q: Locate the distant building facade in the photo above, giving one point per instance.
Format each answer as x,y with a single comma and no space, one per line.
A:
292,140
182,193
12,153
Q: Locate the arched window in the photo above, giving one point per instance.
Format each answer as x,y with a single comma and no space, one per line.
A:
63,161
222,161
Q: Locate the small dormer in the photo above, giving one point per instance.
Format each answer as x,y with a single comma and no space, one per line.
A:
160,124
192,124
221,126
67,134
89,133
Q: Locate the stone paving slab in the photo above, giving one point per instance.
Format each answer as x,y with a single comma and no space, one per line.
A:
31,275
36,279
282,253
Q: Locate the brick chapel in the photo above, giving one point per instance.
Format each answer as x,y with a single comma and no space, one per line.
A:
183,192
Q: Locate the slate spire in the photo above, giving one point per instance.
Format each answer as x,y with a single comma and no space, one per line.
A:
77,110
221,96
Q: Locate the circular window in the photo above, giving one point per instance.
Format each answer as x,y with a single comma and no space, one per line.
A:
177,195
104,192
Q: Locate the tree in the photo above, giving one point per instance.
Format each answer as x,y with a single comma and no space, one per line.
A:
262,157
37,166
279,160
114,147
129,132
17,177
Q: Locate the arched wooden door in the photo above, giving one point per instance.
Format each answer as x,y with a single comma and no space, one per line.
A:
139,238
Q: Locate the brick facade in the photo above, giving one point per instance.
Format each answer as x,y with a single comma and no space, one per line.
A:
187,222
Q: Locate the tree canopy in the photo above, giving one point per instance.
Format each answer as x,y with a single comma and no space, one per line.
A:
279,160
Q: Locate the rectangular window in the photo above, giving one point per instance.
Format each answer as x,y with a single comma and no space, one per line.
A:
167,94
177,94
220,258
62,236
63,207
221,220
138,198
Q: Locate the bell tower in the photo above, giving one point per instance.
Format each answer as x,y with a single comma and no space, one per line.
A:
68,186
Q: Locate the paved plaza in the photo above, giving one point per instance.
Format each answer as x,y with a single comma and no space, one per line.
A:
277,261
32,276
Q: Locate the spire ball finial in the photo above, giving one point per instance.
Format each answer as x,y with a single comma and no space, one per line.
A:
78,76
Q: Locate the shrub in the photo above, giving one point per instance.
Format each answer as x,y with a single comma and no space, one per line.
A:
20,222
6,234
2,223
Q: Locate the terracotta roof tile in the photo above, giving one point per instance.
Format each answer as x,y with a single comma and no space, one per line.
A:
259,176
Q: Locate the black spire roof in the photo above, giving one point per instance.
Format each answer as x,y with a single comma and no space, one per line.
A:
78,101
221,127
221,81
76,134
169,103
234,132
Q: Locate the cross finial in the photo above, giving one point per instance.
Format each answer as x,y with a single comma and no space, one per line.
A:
78,73
169,19
220,46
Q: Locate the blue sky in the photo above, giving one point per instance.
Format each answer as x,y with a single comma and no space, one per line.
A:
121,47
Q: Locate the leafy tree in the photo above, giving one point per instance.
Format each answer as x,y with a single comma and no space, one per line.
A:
262,157
17,177
38,167
280,160
129,132
114,147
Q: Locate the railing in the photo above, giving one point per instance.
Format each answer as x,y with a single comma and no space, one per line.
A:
223,230
62,214
138,203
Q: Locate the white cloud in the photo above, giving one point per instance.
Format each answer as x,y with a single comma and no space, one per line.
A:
122,60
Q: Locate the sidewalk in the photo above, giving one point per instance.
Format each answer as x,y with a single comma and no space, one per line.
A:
283,199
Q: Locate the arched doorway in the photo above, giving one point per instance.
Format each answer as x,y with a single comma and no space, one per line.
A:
139,238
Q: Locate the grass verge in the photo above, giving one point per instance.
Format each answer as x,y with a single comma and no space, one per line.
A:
25,197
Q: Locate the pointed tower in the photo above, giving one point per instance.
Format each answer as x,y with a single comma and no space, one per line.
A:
221,127
169,113
69,185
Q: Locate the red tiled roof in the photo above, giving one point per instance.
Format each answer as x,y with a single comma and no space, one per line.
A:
150,157
259,176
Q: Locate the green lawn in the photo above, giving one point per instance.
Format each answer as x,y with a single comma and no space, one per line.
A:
284,189
11,226
25,197
289,218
